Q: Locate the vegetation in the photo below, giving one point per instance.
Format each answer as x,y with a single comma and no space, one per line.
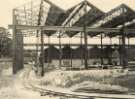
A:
5,47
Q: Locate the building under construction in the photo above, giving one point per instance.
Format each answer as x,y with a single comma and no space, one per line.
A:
84,21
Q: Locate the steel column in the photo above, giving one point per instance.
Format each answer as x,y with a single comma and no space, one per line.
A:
128,42
60,52
85,39
18,58
123,46
71,63
42,52
123,51
102,61
37,52
81,41
49,50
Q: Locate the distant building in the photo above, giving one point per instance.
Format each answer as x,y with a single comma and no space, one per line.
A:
5,42
4,32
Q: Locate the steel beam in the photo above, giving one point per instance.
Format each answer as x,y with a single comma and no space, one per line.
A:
54,44
48,28
66,28
73,29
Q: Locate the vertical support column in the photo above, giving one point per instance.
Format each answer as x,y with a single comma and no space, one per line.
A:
101,49
37,50
124,59
111,50
60,52
128,48
17,47
81,49
49,51
14,43
85,39
71,63
128,42
120,50
42,52
111,41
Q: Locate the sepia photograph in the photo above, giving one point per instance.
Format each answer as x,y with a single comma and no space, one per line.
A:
67,49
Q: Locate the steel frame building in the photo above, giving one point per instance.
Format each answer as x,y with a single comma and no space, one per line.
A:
84,19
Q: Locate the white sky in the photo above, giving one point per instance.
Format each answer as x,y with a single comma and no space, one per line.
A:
6,6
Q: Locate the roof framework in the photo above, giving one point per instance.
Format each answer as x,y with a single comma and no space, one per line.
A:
115,18
42,13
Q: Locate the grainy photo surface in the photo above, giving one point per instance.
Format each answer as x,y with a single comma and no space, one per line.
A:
67,49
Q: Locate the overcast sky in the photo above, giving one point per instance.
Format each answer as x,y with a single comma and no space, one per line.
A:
6,6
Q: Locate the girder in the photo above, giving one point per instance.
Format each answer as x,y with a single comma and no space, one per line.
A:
63,28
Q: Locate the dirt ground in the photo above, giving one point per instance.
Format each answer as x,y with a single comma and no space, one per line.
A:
11,87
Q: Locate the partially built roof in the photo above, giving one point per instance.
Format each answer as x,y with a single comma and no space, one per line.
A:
81,12
47,13
114,18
